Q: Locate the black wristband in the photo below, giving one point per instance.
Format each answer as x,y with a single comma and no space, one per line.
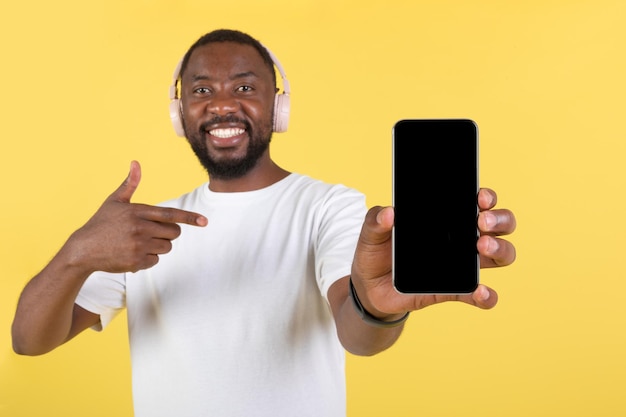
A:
367,317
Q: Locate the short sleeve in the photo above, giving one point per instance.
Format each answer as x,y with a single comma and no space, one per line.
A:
103,294
341,220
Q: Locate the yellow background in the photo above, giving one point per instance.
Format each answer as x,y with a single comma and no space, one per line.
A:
84,91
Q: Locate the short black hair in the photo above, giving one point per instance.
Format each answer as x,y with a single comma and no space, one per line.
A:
229,35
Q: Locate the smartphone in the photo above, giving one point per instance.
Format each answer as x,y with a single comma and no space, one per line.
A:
435,196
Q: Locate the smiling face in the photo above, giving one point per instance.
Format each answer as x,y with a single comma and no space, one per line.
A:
227,99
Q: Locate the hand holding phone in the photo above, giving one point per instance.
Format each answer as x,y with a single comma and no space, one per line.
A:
435,188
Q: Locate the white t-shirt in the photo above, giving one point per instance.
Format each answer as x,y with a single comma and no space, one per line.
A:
234,321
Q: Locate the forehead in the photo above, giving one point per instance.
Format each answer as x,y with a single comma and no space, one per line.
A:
226,58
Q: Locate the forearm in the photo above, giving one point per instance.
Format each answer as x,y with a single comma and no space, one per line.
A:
360,338
44,315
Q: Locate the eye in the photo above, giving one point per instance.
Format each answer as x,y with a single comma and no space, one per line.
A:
201,90
244,88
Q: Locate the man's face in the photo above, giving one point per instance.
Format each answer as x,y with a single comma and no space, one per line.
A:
227,96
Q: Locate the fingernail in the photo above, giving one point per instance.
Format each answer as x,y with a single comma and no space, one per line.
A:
493,245
490,220
482,293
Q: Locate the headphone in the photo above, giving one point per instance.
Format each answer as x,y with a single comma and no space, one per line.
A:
281,101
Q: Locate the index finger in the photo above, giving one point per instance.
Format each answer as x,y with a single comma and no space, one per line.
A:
172,215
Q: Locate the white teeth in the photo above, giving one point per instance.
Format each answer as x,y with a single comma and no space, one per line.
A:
226,133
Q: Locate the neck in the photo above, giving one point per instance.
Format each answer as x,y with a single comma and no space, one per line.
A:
264,174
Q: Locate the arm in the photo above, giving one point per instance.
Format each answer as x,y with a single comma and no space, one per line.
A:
371,276
120,237
46,315
356,336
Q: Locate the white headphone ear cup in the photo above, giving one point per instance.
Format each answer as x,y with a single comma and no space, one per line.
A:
175,116
281,112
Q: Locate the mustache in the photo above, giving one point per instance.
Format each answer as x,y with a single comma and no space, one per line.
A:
224,119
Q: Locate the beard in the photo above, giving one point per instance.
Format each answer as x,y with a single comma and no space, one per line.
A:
232,168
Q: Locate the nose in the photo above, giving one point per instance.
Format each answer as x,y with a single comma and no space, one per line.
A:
223,103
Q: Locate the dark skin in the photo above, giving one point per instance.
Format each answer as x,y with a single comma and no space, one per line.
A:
220,82
229,82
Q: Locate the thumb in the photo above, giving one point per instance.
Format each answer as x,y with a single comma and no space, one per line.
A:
126,190
377,226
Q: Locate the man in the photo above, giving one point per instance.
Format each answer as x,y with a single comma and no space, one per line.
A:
237,293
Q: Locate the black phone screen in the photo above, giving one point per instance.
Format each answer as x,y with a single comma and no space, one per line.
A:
435,188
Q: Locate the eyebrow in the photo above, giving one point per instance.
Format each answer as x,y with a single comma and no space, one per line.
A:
239,75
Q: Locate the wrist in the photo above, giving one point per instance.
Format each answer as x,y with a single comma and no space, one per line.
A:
369,318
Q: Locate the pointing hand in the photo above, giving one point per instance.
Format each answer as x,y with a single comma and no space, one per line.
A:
127,237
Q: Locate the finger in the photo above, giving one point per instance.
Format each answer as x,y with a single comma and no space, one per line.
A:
160,246
487,199
495,252
372,258
148,261
497,222
377,226
146,228
170,215
125,191
385,218
484,297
